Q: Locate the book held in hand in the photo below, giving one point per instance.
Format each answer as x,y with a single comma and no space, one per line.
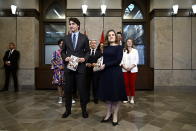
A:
98,65
73,64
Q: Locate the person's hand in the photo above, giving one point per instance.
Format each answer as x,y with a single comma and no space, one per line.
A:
94,64
88,65
103,67
81,60
68,59
7,63
128,69
124,67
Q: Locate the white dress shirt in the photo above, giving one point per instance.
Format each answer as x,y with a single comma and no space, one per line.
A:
129,59
92,51
77,34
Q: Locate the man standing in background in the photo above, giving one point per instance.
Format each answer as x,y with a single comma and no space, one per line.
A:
10,60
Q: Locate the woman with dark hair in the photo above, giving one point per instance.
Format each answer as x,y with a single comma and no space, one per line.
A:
129,65
112,89
58,71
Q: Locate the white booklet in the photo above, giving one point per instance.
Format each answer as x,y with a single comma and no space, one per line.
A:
98,65
73,64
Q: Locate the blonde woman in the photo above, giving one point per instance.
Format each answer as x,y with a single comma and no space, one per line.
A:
129,68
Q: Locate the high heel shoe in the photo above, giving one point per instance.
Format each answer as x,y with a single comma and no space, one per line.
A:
114,123
107,120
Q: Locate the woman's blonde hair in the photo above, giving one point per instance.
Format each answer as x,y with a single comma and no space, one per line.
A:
126,47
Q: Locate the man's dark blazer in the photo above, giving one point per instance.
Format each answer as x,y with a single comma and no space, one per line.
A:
123,44
93,59
82,50
13,58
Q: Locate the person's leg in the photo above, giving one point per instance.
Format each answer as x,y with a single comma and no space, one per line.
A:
69,78
126,81
74,90
81,86
115,106
95,86
7,79
132,86
60,94
88,85
15,78
109,110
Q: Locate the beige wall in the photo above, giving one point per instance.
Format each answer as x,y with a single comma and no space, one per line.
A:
162,43
172,44
23,4
27,43
6,35
94,25
194,43
182,43
167,4
93,4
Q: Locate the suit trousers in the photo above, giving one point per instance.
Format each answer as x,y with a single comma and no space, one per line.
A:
93,79
12,72
77,79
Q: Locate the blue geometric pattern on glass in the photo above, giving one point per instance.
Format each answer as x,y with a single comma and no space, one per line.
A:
136,32
132,12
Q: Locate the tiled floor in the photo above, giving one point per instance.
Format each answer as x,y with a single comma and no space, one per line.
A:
164,109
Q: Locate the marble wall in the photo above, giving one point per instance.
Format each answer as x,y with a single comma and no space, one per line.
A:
28,45
94,4
22,4
173,46
193,43
182,43
27,41
162,43
167,4
94,25
6,35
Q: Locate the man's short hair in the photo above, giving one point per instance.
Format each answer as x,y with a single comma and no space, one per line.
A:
119,33
12,43
75,20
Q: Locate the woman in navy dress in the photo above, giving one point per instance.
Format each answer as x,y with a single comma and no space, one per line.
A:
112,89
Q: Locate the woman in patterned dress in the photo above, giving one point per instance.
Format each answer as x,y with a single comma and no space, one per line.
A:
58,71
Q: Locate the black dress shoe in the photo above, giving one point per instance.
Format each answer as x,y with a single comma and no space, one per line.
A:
66,114
115,123
107,120
84,114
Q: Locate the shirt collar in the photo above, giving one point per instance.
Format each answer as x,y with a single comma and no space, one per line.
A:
76,33
11,50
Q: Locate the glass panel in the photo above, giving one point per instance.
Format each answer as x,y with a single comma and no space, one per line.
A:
49,49
136,32
140,49
55,12
132,12
54,32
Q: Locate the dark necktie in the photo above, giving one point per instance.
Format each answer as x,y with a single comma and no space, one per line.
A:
93,52
74,41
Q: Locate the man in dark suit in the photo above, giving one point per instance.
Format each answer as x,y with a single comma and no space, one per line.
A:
75,44
10,60
92,78
120,39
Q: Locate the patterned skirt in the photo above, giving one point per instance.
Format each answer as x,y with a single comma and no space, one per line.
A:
58,77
